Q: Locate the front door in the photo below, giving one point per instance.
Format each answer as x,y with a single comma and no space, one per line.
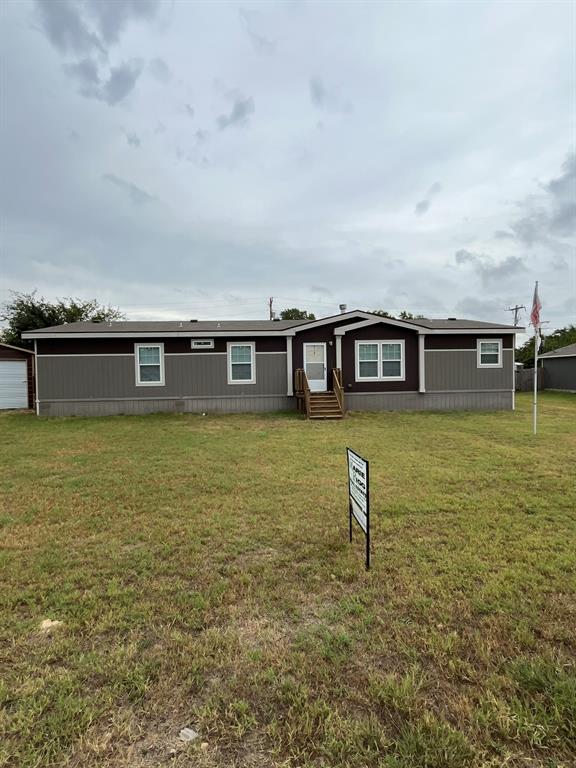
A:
315,366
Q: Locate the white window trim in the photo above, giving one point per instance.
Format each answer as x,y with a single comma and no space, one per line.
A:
379,342
252,345
479,362
202,344
139,383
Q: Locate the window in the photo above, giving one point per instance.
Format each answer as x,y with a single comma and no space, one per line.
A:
368,361
149,364
489,353
380,360
202,343
241,363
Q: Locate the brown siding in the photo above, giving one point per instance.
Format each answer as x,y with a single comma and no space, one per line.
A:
323,333
31,381
380,331
463,341
172,346
6,353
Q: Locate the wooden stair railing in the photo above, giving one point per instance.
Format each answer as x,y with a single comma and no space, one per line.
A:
319,405
338,389
302,390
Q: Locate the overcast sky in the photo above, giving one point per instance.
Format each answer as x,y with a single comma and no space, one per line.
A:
182,159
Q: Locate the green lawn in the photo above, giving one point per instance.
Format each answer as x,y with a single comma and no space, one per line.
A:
202,572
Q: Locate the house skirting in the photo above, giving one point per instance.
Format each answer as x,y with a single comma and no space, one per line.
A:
135,406
499,400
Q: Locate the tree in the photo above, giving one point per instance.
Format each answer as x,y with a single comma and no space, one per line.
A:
561,337
404,315
296,314
26,312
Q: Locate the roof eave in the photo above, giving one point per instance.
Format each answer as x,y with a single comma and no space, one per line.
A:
19,349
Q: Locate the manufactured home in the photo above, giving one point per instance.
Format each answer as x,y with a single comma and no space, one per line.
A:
355,361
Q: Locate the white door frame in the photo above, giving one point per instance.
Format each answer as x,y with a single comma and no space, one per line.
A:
320,385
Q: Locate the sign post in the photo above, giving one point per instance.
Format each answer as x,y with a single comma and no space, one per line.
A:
359,496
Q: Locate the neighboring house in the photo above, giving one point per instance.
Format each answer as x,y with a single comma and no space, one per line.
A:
16,377
560,368
234,366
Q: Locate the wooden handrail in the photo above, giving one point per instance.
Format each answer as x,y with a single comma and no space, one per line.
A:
302,388
338,388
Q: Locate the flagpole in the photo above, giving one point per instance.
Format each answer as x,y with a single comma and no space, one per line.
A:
535,411
535,317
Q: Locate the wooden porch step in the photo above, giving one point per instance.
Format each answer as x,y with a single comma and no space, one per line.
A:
324,405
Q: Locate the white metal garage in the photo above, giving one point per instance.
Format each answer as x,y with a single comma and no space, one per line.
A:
13,384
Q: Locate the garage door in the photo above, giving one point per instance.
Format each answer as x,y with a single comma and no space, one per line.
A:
13,384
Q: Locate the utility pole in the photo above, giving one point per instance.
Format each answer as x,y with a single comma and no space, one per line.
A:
516,309
271,311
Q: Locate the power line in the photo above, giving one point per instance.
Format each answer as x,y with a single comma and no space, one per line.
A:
516,310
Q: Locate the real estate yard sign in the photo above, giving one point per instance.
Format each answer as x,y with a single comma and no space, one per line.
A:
359,496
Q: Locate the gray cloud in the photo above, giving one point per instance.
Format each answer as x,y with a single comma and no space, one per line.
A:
64,26
564,187
248,216
137,195
160,70
85,71
86,29
424,204
86,26
133,139
472,306
239,113
119,83
490,271
549,217
563,220
261,44
189,110
112,16
327,99
421,207
122,80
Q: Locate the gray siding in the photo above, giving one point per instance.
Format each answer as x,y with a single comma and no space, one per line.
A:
560,373
454,370
248,404
439,401
113,377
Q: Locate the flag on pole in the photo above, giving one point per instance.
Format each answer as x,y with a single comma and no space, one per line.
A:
535,320
536,307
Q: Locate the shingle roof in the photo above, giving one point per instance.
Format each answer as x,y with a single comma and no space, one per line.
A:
567,351
456,323
236,326
159,326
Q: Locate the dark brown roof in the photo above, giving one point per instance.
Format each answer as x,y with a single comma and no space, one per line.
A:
18,349
567,351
